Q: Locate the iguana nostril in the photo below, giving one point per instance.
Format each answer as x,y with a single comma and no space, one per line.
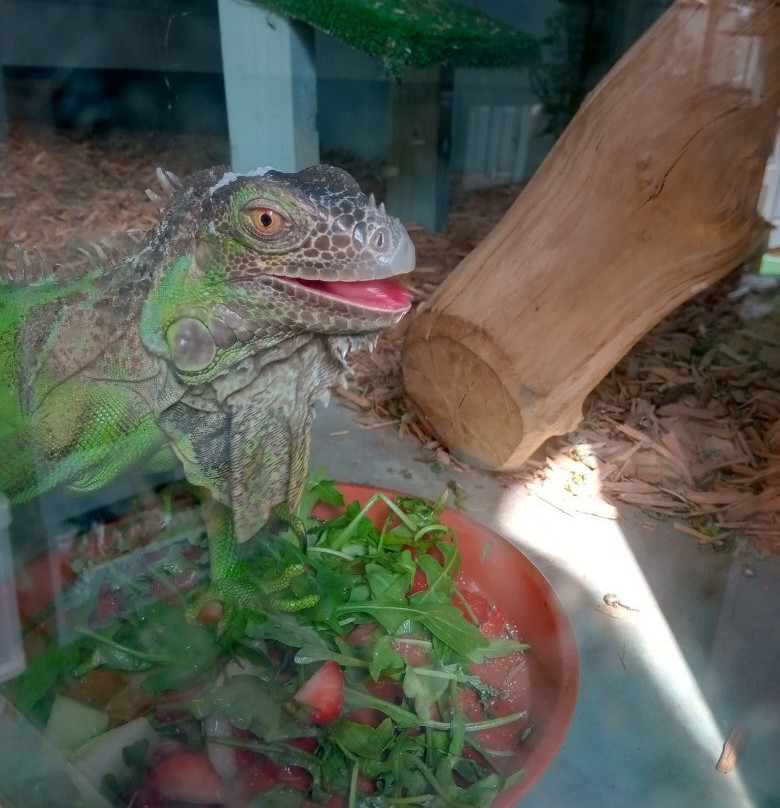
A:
403,257
378,239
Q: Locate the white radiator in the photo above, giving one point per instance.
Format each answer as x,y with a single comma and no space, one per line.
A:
769,203
497,139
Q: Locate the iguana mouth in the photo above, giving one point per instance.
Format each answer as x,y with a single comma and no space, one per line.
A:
382,295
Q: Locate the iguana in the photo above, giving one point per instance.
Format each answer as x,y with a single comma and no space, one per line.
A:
207,345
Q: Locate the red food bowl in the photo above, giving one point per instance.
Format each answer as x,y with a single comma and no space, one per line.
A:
546,686
508,579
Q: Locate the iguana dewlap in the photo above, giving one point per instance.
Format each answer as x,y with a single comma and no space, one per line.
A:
210,343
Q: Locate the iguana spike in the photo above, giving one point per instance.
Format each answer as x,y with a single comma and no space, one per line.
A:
29,265
95,250
169,182
155,199
44,263
21,260
371,202
102,254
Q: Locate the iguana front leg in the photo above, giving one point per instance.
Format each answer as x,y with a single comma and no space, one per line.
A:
253,458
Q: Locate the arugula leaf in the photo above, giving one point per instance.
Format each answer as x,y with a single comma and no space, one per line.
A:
279,797
443,620
42,674
362,740
326,492
441,579
385,584
384,658
424,690
248,703
288,630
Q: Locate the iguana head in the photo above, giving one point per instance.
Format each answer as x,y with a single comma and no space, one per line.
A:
257,286
271,255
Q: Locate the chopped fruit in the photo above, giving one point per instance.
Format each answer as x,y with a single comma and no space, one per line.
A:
108,606
473,606
293,777
495,624
362,634
386,689
212,612
188,777
415,653
254,777
305,744
368,716
323,693
366,784
420,582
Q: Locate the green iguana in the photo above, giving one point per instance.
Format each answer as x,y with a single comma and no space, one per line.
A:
208,345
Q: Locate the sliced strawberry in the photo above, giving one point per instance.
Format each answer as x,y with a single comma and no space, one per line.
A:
495,624
386,689
166,709
108,607
419,582
244,755
416,655
211,612
365,784
368,716
361,634
255,777
187,777
323,693
503,738
167,748
469,703
147,797
474,605
308,744
292,776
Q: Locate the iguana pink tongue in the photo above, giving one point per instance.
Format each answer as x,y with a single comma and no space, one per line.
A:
385,294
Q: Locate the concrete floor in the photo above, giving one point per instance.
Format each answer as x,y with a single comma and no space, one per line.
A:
660,688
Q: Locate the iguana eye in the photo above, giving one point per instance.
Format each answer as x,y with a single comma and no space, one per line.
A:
267,221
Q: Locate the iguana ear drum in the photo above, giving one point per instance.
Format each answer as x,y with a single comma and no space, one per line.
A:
191,344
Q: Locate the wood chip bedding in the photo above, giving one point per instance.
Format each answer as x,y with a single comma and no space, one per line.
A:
686,427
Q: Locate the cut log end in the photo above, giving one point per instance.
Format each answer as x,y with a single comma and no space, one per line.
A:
470,398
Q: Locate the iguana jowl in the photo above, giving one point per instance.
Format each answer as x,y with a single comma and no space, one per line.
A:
209,343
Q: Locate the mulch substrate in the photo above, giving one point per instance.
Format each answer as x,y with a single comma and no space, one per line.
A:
686,427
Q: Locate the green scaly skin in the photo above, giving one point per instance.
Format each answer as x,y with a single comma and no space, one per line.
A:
206,346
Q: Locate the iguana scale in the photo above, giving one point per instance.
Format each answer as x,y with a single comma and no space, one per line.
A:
208,344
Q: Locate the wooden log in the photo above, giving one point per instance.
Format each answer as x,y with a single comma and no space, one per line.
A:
649,196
